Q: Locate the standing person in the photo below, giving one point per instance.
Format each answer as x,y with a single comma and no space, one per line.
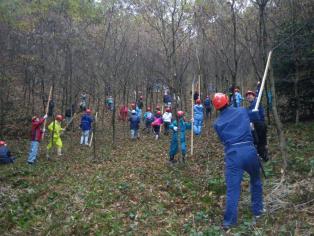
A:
55,129
260,128
86,126
5,154
237,98
208,107
109,103
233,129
198,117
195,96
68,115
167,99
176,128
134,125
167,118
156,124
36,136
123,113
148,119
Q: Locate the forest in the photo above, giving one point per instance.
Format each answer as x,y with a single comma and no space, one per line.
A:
104,57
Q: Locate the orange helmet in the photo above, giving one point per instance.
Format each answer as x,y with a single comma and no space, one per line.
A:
180,113
158,113
198,101
2,143
220,100
59,118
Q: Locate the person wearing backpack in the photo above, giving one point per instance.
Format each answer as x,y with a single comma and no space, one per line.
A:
167,117
198,117
208,107
134,125
148,119
156,124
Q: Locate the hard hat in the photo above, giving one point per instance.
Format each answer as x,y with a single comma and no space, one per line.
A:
2,143
149,109
180,113
59,118
141,97
250,92
158,112
220,100
88,111
198,101
133,112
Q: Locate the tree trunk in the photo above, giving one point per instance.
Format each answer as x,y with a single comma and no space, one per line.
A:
279,127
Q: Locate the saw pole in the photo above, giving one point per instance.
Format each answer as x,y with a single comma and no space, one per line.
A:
47,108
192,114
92,135
263,82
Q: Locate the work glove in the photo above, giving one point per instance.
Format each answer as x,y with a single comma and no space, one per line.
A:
45,116
175,128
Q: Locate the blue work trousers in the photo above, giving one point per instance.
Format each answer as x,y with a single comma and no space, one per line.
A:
240,158
33,152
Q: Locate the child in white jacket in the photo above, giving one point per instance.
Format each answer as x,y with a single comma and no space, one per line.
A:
167,118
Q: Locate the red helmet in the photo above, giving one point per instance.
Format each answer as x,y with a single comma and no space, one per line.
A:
133,105
157,107
168,109
158,113
250,92
198,101
141,97
220,100
59,118
2,143
149,109
88,111
180,113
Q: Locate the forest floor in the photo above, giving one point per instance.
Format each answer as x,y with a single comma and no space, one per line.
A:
132,190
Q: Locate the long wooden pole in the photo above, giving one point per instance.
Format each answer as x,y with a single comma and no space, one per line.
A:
260,93
192,112
92,135
47,108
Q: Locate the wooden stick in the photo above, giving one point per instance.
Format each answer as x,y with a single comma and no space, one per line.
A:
263,82
162,112
192,112
47,108
91,138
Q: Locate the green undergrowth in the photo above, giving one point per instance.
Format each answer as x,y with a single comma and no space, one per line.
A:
132,190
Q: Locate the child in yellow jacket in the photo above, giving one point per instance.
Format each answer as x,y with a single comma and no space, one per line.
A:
56,130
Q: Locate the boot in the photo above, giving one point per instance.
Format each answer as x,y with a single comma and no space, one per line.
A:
59,152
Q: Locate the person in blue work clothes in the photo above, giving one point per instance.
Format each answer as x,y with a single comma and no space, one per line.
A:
259,127
5,154
86,126
134,125
233,129
198,117
181,128
236,99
